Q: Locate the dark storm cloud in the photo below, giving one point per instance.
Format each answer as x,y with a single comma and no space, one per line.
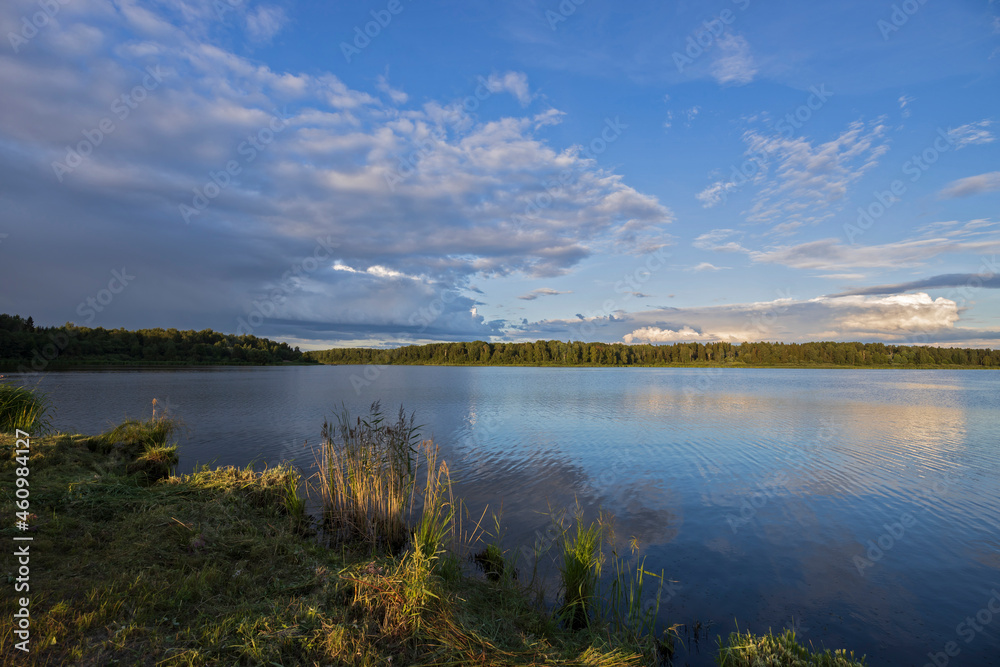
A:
971,280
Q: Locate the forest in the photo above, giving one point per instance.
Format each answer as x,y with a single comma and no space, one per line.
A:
558,353
25,347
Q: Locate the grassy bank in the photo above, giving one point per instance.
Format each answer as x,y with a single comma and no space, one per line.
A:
131,565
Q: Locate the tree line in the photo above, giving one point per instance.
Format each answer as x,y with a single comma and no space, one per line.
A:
25,347
558,353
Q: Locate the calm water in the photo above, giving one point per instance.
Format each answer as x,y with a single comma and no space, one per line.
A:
757,491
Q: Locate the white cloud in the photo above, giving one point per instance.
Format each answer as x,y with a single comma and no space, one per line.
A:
890,318
785,228
339,266
796,180
972,134
376,270
515,83
842,276
79,40
899,313
384,272
716,193
831,254
972,185
396,96
734,64
542,291
264,23
904,104
705,266
684,335
912,318
717,240
806,179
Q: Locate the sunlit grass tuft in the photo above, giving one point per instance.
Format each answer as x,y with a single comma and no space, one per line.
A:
748,650
155,463
24,409
580,569
134,436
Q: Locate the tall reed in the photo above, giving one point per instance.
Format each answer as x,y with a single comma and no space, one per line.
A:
384,486
367,469
437,515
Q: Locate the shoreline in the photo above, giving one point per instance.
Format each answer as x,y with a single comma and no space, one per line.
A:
7,366
696,366
11,368
221,566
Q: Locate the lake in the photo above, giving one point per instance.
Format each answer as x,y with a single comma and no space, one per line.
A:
861,507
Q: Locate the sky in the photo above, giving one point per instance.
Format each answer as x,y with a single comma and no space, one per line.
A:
390,172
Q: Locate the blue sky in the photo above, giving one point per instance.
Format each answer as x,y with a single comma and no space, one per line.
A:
407,171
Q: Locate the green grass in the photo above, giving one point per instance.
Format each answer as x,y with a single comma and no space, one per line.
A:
135,436
207,568
492,561
435,528
21,408
629,611
770,650
582,558
155,463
